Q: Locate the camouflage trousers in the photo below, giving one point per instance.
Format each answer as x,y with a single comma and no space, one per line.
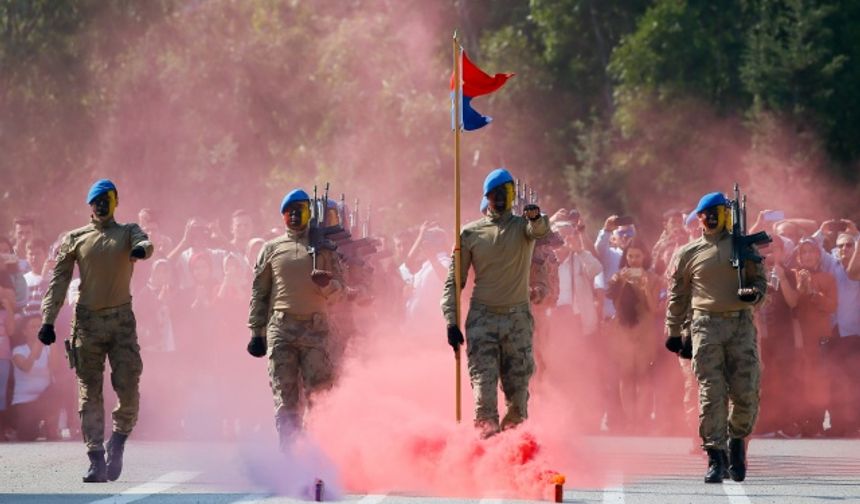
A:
98,334
499,348
299,363
727,367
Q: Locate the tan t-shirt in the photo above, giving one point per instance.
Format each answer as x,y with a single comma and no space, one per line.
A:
500,251
701,277
282,279
103,254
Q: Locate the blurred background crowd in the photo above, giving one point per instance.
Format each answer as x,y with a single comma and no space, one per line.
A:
598,298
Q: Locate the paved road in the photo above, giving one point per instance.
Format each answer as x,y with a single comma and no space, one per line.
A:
652,471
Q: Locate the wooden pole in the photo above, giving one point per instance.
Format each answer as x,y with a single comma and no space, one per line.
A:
458,90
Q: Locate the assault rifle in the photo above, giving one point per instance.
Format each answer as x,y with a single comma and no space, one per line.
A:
742,244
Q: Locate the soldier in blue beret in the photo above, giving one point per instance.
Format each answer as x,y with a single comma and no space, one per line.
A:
104,326
724,349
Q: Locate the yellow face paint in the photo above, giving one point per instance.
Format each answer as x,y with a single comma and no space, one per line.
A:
509,195
304,208
113,201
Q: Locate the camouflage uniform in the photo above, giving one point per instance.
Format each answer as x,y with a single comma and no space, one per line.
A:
725,353
499,325
104,325
290,310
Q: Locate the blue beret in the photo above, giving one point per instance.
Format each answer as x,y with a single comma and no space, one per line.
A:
710,200
496,178
292,197
100,187
690,218
484,204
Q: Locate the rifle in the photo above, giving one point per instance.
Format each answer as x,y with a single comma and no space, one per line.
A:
742,244
317,234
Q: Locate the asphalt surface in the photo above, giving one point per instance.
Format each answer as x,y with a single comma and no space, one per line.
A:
642,470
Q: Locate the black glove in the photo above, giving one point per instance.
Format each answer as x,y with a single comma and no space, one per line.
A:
455,337
687,350
138,252
674,344
47,334
531,207
257,346
321,277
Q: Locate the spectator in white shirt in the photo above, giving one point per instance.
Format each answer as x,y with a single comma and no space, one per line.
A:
31,402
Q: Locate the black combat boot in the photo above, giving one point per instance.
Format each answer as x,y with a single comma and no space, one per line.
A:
115,448
738,459
97,473
716,466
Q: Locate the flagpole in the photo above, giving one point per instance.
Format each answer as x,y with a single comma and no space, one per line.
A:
458,90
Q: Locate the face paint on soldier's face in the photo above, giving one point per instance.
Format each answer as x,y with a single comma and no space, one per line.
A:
713,219
502,197
104,206
297,215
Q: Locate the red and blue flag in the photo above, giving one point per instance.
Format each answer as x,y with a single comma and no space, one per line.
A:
475,82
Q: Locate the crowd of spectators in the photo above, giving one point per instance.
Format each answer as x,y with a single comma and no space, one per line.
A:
613,301
604,319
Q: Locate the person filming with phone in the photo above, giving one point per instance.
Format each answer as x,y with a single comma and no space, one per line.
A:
634,291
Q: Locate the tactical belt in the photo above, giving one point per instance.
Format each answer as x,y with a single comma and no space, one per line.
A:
502,310
104,311
725,314
300,317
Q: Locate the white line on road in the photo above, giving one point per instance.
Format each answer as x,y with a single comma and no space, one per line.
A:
371,499
251,499
736,492
155,486
613,495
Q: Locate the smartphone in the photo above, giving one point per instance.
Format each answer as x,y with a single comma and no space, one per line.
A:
635,272
773,215
625,220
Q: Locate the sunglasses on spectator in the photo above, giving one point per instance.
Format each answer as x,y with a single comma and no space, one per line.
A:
845,245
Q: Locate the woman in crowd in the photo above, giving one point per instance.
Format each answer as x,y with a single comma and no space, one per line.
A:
634,290
32,401
811,293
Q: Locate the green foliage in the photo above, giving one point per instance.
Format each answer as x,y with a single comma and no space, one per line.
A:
202,104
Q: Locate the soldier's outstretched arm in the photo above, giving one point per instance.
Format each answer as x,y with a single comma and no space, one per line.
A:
538,228
449,305
60,279
140,240
261,290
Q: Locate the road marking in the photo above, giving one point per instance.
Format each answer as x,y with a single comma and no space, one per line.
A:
736,492
613,495
155,486
251,499
371,499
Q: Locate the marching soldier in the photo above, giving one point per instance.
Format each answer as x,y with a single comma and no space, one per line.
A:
104,324
724,349
499,325
288,317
